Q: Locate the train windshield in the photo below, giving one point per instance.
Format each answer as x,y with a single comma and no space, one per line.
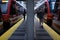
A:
53,4
4,7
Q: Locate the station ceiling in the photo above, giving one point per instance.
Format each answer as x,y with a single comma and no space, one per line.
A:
37,3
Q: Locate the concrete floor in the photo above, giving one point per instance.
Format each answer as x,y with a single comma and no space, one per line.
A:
39,32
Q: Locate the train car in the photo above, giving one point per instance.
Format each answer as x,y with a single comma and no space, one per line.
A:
57,8
10,13
56,22
48,14
52,19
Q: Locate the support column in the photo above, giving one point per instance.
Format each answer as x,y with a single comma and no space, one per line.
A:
30,19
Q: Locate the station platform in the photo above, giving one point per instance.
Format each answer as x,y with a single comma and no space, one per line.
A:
19,32
39,32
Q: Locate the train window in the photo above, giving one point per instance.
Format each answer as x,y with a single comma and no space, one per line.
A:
4,7
53,3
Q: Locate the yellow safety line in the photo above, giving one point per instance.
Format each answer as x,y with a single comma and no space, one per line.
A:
8,34
51,32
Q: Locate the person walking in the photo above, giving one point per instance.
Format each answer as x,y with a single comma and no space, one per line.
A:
40,15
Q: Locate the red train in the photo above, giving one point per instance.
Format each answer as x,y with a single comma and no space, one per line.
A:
10,14
53,18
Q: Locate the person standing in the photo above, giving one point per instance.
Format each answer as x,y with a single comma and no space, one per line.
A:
22,11
24,14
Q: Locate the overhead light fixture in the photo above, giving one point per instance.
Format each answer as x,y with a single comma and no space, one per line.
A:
22,4
39,3
4,1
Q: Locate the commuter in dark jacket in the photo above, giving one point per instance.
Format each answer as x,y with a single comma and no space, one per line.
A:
40,15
